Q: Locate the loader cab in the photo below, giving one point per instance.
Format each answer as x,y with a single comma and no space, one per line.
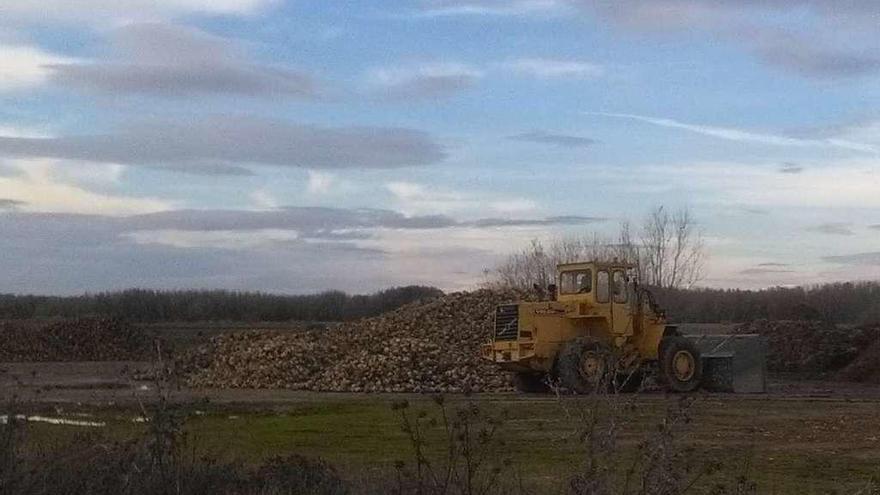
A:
595,283
603,292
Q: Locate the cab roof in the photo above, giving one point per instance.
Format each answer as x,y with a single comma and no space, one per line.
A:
597,264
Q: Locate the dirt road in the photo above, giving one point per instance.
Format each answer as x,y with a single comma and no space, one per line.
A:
101,383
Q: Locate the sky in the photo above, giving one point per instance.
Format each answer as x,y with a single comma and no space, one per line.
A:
295,146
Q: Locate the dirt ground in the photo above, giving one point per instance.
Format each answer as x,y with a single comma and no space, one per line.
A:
100,383
800,437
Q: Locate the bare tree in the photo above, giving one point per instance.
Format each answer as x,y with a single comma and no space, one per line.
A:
530,265
673,252
628,249
536,264
669,252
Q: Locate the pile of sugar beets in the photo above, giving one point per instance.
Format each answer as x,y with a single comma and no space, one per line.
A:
426,346
433,346
819,348
76,339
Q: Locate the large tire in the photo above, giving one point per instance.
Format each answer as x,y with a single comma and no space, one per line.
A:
584,366
681,368
530,383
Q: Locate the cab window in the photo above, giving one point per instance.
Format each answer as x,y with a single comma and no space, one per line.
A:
602,286
576,282
618,286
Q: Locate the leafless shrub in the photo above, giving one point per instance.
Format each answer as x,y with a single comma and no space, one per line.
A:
297,474
12,431
872,487
661,464
472,462
160,461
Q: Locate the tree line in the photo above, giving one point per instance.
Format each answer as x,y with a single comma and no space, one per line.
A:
142,305
840,302
668,251
844,302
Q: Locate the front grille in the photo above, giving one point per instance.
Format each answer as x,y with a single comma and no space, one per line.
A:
506,322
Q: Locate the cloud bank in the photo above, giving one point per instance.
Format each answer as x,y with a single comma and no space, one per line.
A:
227,144
425,81
25,67
115,11
553,68
560,140
842,41
870,258
833,228
169,60
295,249
437,8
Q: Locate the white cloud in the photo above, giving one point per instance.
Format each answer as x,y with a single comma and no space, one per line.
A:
263,199
813,38
833,228
224,144
24,67
520,205
839,184
320,182
414,198
21,132
39,190
166,59
455,258
222,239
116,11
550,68
865,131
438,8
401,75
89,174
846,184
213,6
739,135
436,79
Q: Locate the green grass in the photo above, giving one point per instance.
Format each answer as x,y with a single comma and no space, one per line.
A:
791,445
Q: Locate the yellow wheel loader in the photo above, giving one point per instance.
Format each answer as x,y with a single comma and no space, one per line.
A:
600,328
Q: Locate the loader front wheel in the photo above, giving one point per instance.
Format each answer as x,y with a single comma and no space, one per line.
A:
584,366
680,364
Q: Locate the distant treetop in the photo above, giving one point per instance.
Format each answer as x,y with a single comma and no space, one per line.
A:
144,305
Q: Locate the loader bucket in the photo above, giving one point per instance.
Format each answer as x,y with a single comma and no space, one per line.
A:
733,363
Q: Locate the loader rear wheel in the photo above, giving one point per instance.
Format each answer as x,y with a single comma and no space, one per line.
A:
529,383
584,366
680,364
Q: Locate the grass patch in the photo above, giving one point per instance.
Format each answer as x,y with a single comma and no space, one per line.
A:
785,445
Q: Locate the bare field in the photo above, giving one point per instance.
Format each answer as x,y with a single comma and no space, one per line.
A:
801,437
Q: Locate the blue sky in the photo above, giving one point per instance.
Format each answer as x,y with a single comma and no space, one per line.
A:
299,145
